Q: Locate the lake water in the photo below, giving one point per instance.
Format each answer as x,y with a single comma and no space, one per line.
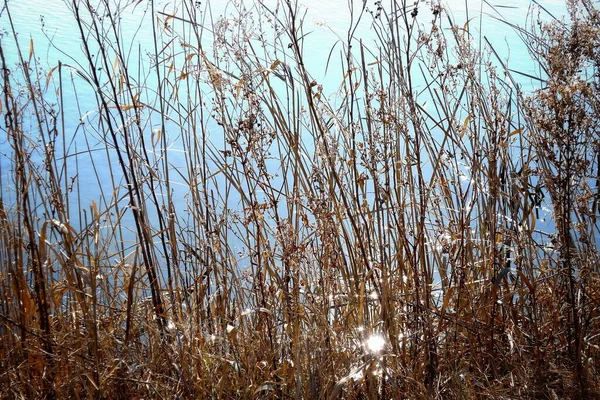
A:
49,26
327,21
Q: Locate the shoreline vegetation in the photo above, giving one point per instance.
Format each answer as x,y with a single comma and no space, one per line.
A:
392,239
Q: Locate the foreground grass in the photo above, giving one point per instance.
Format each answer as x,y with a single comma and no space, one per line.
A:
356,244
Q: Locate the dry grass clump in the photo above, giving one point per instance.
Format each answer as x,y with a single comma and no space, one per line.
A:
428,230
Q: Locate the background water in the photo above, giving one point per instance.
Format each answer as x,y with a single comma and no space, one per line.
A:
51,28
327,21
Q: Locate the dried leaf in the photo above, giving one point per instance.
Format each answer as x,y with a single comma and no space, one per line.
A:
42,244
516,131
445,303
526,281
95,211
466,26
49,76
465,126
238,87
274,65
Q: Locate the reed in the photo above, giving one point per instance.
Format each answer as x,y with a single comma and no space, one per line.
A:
263,237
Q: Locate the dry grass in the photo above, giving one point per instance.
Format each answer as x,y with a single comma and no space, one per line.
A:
355,244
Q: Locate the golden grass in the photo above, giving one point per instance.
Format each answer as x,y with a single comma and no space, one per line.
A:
356,244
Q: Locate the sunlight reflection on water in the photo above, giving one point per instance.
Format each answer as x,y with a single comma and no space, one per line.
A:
375,343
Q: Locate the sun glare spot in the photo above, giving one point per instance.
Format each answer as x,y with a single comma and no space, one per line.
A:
375,343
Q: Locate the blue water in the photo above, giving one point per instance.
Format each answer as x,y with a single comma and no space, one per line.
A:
49,27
